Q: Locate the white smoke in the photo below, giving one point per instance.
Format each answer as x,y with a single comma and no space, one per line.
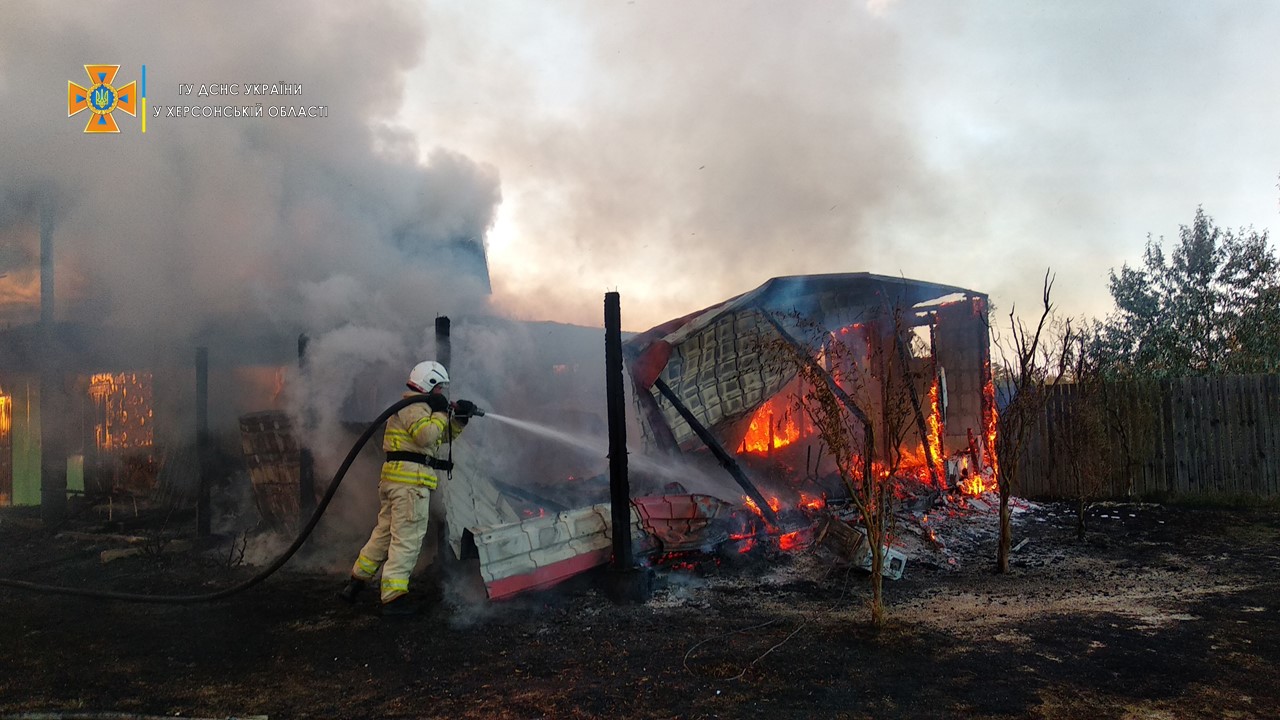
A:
235,227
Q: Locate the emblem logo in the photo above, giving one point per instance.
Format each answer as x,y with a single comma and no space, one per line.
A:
102,98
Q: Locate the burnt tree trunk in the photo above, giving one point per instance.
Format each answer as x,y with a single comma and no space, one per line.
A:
875,541
1006,529
1080,508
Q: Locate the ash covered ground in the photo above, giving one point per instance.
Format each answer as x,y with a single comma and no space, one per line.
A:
1160,612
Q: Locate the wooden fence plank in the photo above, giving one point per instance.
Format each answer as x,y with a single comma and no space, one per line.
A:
1191,436
1157,459
1263,430
1173,417
1249,389
1230,429
1244,467
1210,423
1234,420
1217,433
1269,417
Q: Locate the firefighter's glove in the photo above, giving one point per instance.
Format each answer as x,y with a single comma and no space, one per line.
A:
464,410
437,403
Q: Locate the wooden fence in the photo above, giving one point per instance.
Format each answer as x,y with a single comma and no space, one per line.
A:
1198,436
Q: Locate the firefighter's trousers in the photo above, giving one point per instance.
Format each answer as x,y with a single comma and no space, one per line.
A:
396,539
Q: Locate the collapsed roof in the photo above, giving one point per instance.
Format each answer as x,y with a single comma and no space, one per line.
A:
709,360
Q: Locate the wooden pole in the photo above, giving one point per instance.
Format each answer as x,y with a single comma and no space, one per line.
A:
306,461
53,405
444,348
619,484
203,521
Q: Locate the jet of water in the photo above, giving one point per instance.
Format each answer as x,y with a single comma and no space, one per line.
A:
591,445
600,446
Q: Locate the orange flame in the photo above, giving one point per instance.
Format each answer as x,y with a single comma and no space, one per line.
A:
6,413
790,541
934,425
774,504
125,399
812,502
993,419
764,433
975,485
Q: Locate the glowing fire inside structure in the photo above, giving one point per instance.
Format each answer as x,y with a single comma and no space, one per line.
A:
123,403
773,426
6,415
6,448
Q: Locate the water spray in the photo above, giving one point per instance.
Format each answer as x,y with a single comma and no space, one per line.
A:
664,468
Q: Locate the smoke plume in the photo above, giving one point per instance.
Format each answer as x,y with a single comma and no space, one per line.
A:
250,224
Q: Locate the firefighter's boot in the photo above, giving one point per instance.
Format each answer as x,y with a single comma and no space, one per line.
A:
351,590
401,606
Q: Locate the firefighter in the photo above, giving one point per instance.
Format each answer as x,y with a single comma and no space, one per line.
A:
412,441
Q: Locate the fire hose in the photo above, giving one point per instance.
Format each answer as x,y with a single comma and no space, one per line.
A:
271,569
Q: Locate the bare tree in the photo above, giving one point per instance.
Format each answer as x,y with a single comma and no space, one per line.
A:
1080,409
1026,368
853,386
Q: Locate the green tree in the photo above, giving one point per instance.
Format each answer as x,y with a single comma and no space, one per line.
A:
1212,306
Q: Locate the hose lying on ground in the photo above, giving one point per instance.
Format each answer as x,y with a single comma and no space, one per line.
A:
270,569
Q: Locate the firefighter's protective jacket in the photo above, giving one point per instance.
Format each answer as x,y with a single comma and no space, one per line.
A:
416,429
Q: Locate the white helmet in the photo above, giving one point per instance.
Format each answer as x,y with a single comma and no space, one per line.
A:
425,376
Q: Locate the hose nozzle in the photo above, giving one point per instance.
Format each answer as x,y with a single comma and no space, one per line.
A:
473,411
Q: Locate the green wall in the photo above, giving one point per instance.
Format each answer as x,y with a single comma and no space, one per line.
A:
26,443
26,447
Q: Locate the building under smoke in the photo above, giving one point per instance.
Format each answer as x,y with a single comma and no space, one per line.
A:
119,402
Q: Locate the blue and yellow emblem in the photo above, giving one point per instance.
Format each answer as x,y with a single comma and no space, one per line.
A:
102,98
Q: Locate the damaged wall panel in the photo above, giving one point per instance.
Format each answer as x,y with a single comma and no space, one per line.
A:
717,372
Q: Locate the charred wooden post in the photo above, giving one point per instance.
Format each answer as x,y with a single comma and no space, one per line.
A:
203,521
726,460
619,484
444,346
627,583
440,535
53,405
306,461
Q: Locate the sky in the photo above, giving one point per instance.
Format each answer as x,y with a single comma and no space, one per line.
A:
679,153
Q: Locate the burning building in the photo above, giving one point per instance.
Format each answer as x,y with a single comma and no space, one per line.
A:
707,379
707,392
